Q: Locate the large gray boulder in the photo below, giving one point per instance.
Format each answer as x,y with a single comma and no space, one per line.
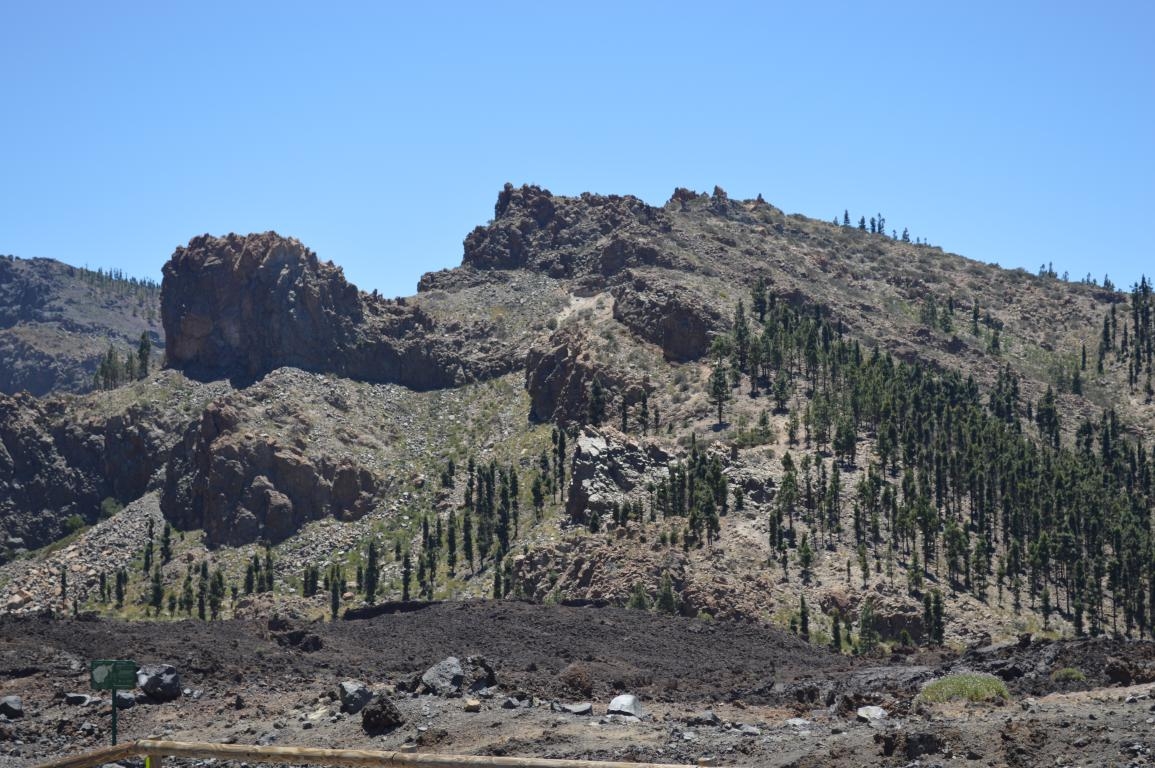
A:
444,678
12,707
160,682
626,704
354,696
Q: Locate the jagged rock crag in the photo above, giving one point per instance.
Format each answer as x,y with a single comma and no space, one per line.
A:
241,306
566,237
241,487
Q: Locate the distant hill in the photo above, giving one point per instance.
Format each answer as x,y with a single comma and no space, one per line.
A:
58,321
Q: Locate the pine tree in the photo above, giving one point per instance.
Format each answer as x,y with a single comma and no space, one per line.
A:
407,576
143,352
166,543
639,600
156,592
803,618
836,633
667,601
719,393
939,625
867,634
597,402
451,544
758,300
372,573
467,537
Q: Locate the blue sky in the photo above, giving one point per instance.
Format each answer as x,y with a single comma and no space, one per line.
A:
380,133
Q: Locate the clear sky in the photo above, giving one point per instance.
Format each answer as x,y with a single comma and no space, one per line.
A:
380,133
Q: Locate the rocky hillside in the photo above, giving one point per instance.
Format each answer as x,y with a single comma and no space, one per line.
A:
58,322
709,405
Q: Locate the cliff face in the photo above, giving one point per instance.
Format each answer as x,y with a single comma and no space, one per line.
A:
241,306
57,460
244,305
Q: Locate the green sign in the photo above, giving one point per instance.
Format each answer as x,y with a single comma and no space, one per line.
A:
112,674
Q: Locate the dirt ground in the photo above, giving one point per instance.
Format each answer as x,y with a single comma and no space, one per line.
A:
775,700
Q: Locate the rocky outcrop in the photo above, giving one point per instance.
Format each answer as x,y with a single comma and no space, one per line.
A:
241,487
567,237
557,377
668,315
241,306
607,469
559,374
57,464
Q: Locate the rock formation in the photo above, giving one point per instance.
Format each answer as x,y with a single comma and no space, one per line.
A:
241,306
565,237
668,315
240,487
56,466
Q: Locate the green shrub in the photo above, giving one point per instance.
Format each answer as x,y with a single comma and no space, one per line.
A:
73,523
109,507
1068,675
966,686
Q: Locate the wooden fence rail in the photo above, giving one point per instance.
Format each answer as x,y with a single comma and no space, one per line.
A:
315,756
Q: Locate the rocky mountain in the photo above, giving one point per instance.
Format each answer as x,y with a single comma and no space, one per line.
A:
708,404
57,323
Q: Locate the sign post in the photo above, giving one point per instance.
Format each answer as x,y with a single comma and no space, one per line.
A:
112,675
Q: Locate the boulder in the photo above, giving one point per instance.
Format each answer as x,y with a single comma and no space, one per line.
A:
160,682
79,699
708,717
605,468
585,708
626,704
518,700
125,699
353,695
444,678
12,707
871,714
530,223
381,715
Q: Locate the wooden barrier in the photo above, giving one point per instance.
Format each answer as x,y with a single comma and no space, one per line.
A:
95,757
316,756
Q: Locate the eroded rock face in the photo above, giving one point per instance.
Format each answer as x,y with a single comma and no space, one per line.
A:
606,468
667,315
241,306
557,378
241,487
250,303
566,236
55,465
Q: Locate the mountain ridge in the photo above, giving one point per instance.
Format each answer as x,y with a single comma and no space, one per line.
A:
561,298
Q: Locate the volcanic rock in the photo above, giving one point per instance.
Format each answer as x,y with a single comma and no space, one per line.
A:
243,305
381,715
160,682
